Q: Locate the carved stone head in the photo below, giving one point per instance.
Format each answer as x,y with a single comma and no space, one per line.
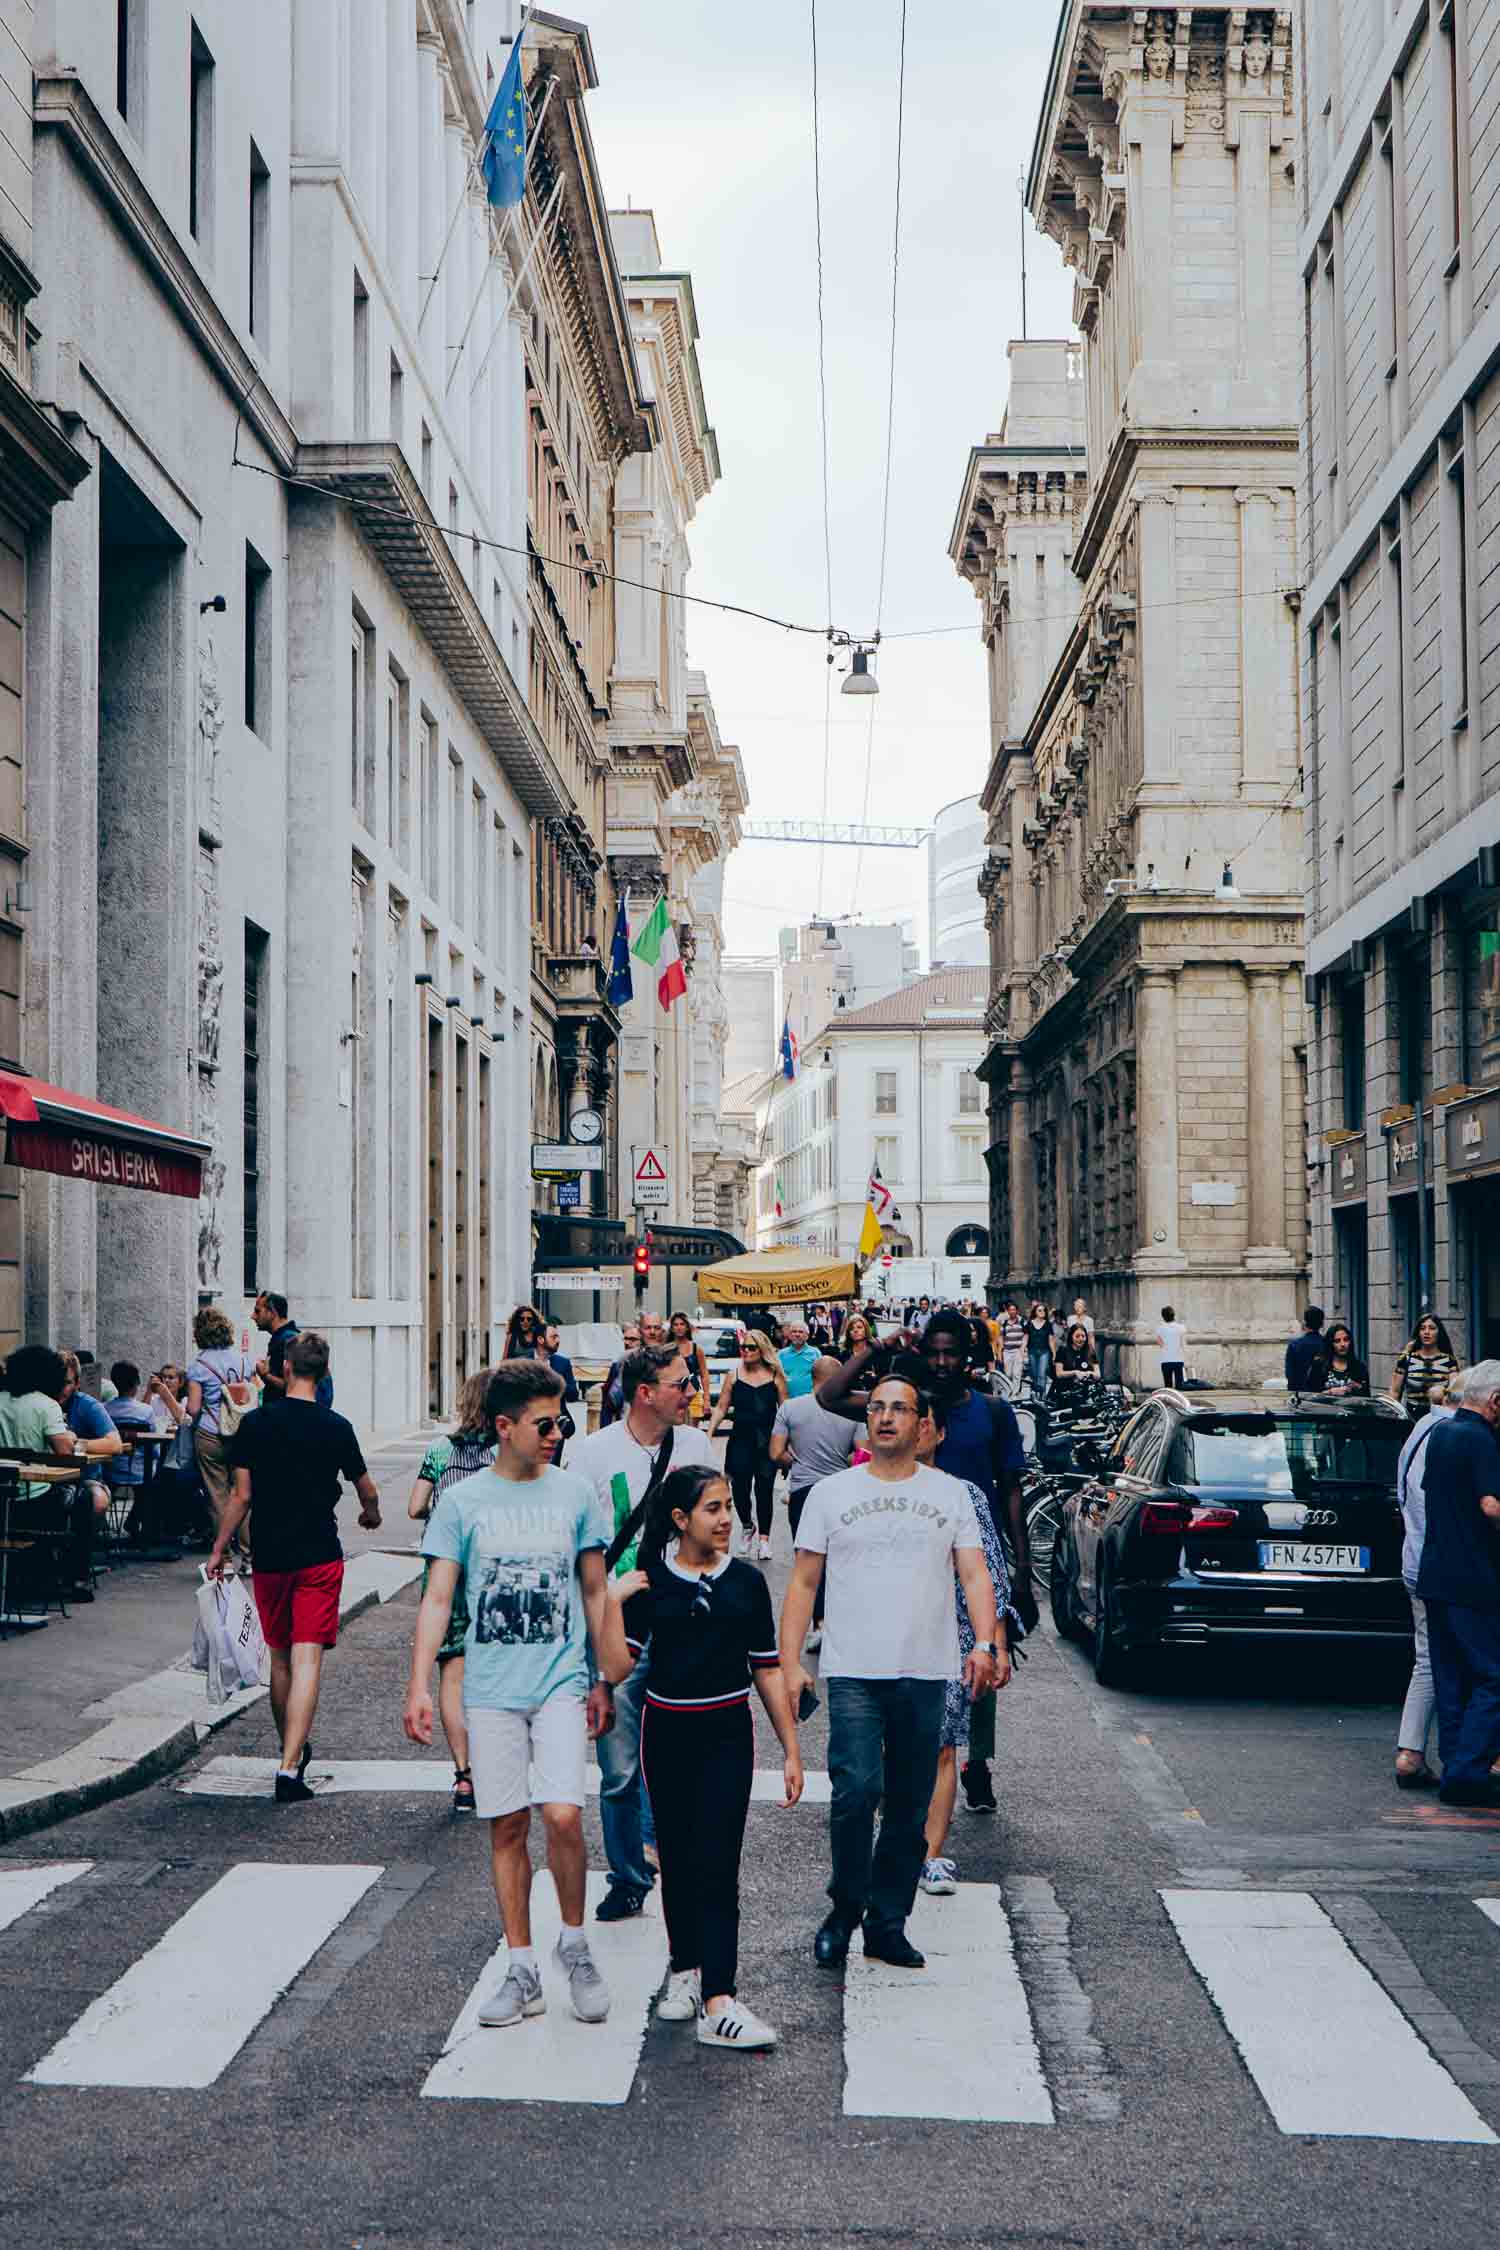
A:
1159,28
1257,48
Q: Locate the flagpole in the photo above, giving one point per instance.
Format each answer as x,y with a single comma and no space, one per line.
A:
474,163
543,225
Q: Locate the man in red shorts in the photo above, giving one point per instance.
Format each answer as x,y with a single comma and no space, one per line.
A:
288,1457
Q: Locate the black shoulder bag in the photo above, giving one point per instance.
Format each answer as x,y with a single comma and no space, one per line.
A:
631,1527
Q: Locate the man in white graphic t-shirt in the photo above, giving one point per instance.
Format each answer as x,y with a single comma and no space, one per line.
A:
894,1533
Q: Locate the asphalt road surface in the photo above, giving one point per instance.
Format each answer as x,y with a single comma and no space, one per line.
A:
1209,1980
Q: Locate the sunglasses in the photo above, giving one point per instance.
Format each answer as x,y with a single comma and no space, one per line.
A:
545,1424
683,1383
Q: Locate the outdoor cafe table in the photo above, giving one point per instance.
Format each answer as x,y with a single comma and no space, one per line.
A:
14,1474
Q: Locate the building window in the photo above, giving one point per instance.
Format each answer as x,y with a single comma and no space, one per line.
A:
429,782
427,463
257,644
257,945
362,721
260,248
888,1157
968,1160
361,359
970,1101
1453,124
453,509
456,836
1482,1001
398,406
200,140
130,63
885,1093
1455,568
1351,1020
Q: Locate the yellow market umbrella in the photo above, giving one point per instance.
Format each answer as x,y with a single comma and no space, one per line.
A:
776,1277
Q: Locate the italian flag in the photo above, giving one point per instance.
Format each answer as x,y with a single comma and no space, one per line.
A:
656,945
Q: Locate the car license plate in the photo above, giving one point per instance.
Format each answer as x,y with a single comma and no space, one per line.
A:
1304,1554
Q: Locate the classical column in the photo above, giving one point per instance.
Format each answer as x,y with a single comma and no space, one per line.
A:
433,204
1261,638
1266,1122
1022,1179
1156,1117
1161,628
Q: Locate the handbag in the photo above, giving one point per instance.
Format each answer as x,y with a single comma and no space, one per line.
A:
232,1410
630,1529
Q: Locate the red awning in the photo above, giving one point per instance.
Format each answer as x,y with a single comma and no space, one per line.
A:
48,1129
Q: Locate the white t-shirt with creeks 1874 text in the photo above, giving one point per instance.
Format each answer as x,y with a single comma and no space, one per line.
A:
890,1551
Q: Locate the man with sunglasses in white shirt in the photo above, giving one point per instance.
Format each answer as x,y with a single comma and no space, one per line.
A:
650,1436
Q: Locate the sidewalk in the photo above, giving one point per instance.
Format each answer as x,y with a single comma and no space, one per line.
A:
104,1700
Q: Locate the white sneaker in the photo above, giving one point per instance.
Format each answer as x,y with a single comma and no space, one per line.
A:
814,1641
735,2028
939,1878
517,1996
747,1541
765,1550
682,1998
588,1994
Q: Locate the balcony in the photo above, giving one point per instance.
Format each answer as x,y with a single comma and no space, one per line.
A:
579,984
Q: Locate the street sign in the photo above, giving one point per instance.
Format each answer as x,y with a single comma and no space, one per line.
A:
885,1261
552,1157
650,1190
569,1195
578,1281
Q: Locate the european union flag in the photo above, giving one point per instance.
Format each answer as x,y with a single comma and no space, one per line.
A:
621,984
504,160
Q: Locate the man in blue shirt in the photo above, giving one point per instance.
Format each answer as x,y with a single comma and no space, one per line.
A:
1459,1580
798,1359
1307,1354
530,1540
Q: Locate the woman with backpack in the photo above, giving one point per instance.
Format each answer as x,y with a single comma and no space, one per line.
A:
220,1390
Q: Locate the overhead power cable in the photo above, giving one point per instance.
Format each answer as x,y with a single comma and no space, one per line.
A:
890,434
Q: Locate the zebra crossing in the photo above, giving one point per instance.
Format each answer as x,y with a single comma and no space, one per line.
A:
1323,2041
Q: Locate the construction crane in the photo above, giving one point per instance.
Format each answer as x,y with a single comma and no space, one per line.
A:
833,832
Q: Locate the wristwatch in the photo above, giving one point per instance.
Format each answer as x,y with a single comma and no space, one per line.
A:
987,1648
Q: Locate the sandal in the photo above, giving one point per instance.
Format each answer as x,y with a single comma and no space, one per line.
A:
463,1789
1419,1776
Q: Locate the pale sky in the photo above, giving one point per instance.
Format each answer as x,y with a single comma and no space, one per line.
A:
703,115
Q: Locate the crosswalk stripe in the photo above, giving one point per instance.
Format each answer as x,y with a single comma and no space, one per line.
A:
22,1888
405,1777
1328,2049
555,2058
954,2040
1491,1907
182,2012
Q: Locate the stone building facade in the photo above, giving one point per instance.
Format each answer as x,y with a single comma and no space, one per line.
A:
1144,1029
285,772
1399,266
40,469
676,791
587,413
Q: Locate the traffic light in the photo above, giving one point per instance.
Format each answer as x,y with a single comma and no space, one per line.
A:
641,1265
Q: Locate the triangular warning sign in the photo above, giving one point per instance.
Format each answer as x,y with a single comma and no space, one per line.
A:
649,1167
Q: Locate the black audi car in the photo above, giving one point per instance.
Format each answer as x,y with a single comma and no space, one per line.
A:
1262,1518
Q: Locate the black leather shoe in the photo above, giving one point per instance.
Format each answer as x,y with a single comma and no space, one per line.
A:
619,1904
893,1945
291,1789
831,1945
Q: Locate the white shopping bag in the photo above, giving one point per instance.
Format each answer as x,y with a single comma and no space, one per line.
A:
228,1634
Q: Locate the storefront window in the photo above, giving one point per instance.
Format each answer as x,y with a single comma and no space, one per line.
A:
1351,1007
1414,1022
1482,1002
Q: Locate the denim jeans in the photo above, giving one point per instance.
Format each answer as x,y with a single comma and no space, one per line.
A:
621,1795
882,1745
1465,1649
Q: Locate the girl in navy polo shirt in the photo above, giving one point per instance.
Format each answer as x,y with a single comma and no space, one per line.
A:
708,1619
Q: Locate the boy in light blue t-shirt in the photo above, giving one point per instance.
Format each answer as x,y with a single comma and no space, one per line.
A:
530,1540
